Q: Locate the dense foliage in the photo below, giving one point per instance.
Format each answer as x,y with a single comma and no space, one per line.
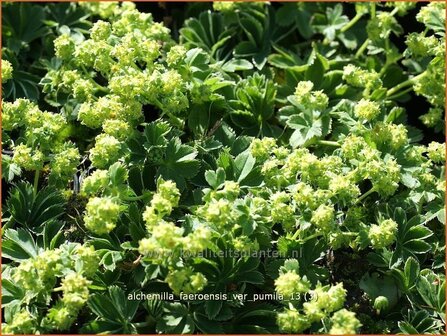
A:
233,151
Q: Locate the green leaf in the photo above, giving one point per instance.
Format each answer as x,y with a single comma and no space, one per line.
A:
407,328
198,120
155,133
317,70
22,85
18,245
208,32
215,178
306,129
286,14
243,165
110,260
176,320
206,326
33,211
237,65
23,22
431,289
212,308
53,235
180,163
411,235
118,174
11,292
411,271
253,277
9,169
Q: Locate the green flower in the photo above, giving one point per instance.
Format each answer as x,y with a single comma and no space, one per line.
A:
59,317
261,148
292,322
28,158
64,47
75,290
95,183
107,150
22,323
101,214
436,152
323,217
344,322
290,284
384,234
100,31
186,281
366,109
6,70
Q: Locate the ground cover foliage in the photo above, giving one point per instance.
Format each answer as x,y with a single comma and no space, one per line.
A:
213,153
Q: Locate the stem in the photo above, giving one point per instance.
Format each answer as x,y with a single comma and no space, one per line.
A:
328,143
362,48
296,234
394,11
369,192
397,95
403,84
318,234
349,25
334,72
36,182
135,198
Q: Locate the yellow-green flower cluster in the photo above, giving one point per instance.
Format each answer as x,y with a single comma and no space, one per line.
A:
323,217
383,235
229,190
261,148
74,263
28,158
106,10
382,25
165,237
391,134
290,284
344,322
357,77
281,210
101,214
43,139
89,259
218,213
162,203
107,150
436,152
421,46
433,117
75,290
291,321
186,281
366,109
6,70
95,183
65,161
64,46
59,317
308,99
23,323
324,301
